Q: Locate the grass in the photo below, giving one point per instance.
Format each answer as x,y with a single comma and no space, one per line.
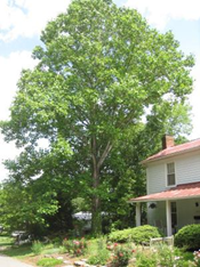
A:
49,262
6,241
18,252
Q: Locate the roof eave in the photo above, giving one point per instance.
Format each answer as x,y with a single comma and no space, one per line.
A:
163,199
146,161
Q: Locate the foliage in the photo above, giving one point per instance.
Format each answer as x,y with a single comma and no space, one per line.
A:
170,257
188,237
137,235
62,249
27,206
121,255
6,241
104,81
56,241
49,262
145,258
37,247
100,258
101,254
162,255
197,258
75,247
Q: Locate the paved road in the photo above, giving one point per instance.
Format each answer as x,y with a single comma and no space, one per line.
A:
9,262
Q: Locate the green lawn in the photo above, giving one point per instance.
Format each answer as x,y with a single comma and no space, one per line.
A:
6,241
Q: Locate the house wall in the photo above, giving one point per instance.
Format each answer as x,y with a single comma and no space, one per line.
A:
187,170
157,216
186,210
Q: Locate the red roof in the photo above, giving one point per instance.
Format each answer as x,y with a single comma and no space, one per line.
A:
170,151
182,191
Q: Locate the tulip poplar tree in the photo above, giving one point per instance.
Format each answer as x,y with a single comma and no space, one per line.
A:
102,72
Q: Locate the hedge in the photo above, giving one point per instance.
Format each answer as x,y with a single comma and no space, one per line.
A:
188,237
137,234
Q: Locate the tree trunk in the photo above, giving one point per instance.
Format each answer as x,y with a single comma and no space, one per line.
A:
96,201
96,205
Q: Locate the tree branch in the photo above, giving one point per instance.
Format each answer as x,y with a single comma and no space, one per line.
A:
104,154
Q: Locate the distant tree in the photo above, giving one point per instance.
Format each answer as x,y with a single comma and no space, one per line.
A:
103,75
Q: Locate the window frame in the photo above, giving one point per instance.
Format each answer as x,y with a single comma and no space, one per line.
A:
167,174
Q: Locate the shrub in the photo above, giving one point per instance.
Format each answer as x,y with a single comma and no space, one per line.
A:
188,237
137,235
75,247
121,255
49,262
37,247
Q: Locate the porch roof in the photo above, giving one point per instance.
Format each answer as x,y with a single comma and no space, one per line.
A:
183,191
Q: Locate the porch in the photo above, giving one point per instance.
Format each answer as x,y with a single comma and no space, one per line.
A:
172,209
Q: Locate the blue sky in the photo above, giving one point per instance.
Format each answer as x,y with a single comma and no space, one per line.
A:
21,22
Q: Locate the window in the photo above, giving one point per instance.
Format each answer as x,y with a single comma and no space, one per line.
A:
170,174
174,216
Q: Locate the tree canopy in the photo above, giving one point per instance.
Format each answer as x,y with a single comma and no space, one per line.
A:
104,78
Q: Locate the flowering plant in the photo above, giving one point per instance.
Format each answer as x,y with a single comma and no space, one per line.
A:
75,247
121,255
197,258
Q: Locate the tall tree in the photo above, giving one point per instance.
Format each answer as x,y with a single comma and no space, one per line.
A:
101,71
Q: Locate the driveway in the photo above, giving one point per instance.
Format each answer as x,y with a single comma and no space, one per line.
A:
10,262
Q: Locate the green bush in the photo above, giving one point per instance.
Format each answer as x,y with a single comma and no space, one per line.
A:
188,237
137,235
49,262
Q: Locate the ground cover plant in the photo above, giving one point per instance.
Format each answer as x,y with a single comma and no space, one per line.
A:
98,252
49,262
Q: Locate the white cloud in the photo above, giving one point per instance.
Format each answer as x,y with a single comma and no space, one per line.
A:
10,69
194,100
27,17
158,12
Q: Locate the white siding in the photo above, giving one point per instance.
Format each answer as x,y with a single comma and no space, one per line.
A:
187,170
156,178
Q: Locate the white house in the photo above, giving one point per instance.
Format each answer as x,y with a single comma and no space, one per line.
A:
173,186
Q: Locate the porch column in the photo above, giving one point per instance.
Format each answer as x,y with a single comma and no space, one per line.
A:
138,214
169,218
